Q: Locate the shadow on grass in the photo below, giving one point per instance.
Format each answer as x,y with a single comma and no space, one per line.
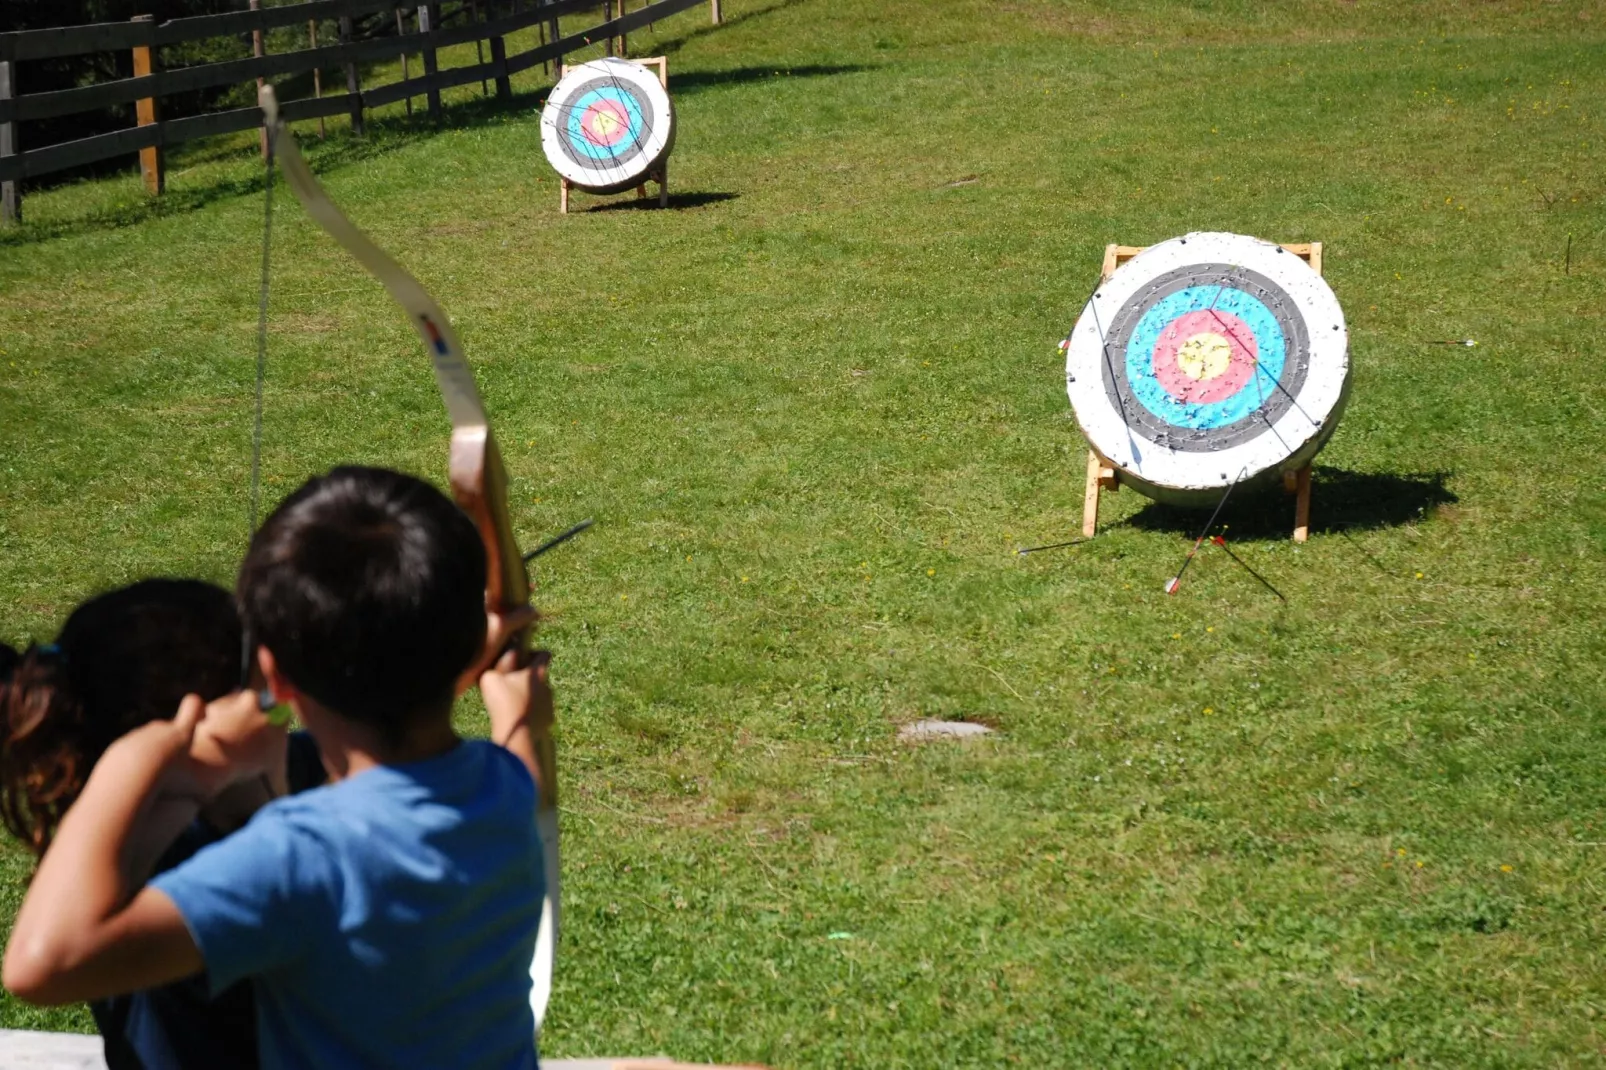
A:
131,212
676,201
1340,501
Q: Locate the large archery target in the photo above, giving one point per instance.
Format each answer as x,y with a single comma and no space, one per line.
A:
1206,360
607,125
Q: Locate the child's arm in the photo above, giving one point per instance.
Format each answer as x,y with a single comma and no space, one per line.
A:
168,815
79,935
518,700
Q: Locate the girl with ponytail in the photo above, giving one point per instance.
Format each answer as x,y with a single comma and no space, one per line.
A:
122,660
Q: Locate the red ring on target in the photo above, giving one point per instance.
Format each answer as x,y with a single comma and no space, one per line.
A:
1205,356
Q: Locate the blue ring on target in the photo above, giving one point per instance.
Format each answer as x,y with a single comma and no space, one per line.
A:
1269,342
582,144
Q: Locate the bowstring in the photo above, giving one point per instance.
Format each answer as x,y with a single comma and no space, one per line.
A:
262,342
246,643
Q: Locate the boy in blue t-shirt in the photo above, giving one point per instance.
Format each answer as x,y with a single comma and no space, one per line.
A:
386,919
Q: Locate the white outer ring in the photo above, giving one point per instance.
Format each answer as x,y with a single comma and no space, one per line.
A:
1298,434
609,179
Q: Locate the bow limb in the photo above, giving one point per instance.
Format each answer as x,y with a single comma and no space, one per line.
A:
478,481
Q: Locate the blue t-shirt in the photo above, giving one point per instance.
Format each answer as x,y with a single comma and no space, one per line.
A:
387,920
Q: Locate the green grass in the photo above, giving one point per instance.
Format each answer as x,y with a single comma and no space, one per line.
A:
817,407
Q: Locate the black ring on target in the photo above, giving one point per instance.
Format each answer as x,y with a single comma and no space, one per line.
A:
1205,357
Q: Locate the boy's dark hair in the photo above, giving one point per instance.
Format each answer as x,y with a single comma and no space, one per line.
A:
123,659
369,588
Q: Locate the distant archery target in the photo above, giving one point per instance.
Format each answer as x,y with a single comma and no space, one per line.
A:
1206,360
607,125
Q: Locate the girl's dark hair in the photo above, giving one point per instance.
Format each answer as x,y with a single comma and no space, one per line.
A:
369,587
122,659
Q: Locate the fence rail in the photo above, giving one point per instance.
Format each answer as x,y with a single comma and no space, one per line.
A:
143,36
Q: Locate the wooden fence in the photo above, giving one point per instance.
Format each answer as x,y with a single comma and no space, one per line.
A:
144,36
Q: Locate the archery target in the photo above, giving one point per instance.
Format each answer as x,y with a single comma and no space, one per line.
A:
1206,360
607,124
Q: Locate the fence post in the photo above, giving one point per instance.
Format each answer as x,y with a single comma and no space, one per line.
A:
429,17
10,192
317,75
557,62
353,84
258,49
504,86
151,164
479,50
401,31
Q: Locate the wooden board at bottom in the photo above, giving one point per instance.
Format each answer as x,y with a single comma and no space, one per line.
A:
22,1049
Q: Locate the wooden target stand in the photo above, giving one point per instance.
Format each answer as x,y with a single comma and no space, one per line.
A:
1101,474
659,174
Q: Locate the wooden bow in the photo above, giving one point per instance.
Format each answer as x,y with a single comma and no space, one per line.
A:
478,481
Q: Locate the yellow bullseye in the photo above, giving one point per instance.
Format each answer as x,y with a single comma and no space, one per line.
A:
1204,356
604,123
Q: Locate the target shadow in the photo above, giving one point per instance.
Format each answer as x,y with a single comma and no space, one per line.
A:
642,204
1341,501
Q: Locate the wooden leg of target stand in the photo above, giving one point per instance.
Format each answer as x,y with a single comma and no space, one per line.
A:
1302,505
563,196
1298,484
663,184
1090,497
1100,476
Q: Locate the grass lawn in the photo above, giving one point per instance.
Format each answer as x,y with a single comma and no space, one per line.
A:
817,406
